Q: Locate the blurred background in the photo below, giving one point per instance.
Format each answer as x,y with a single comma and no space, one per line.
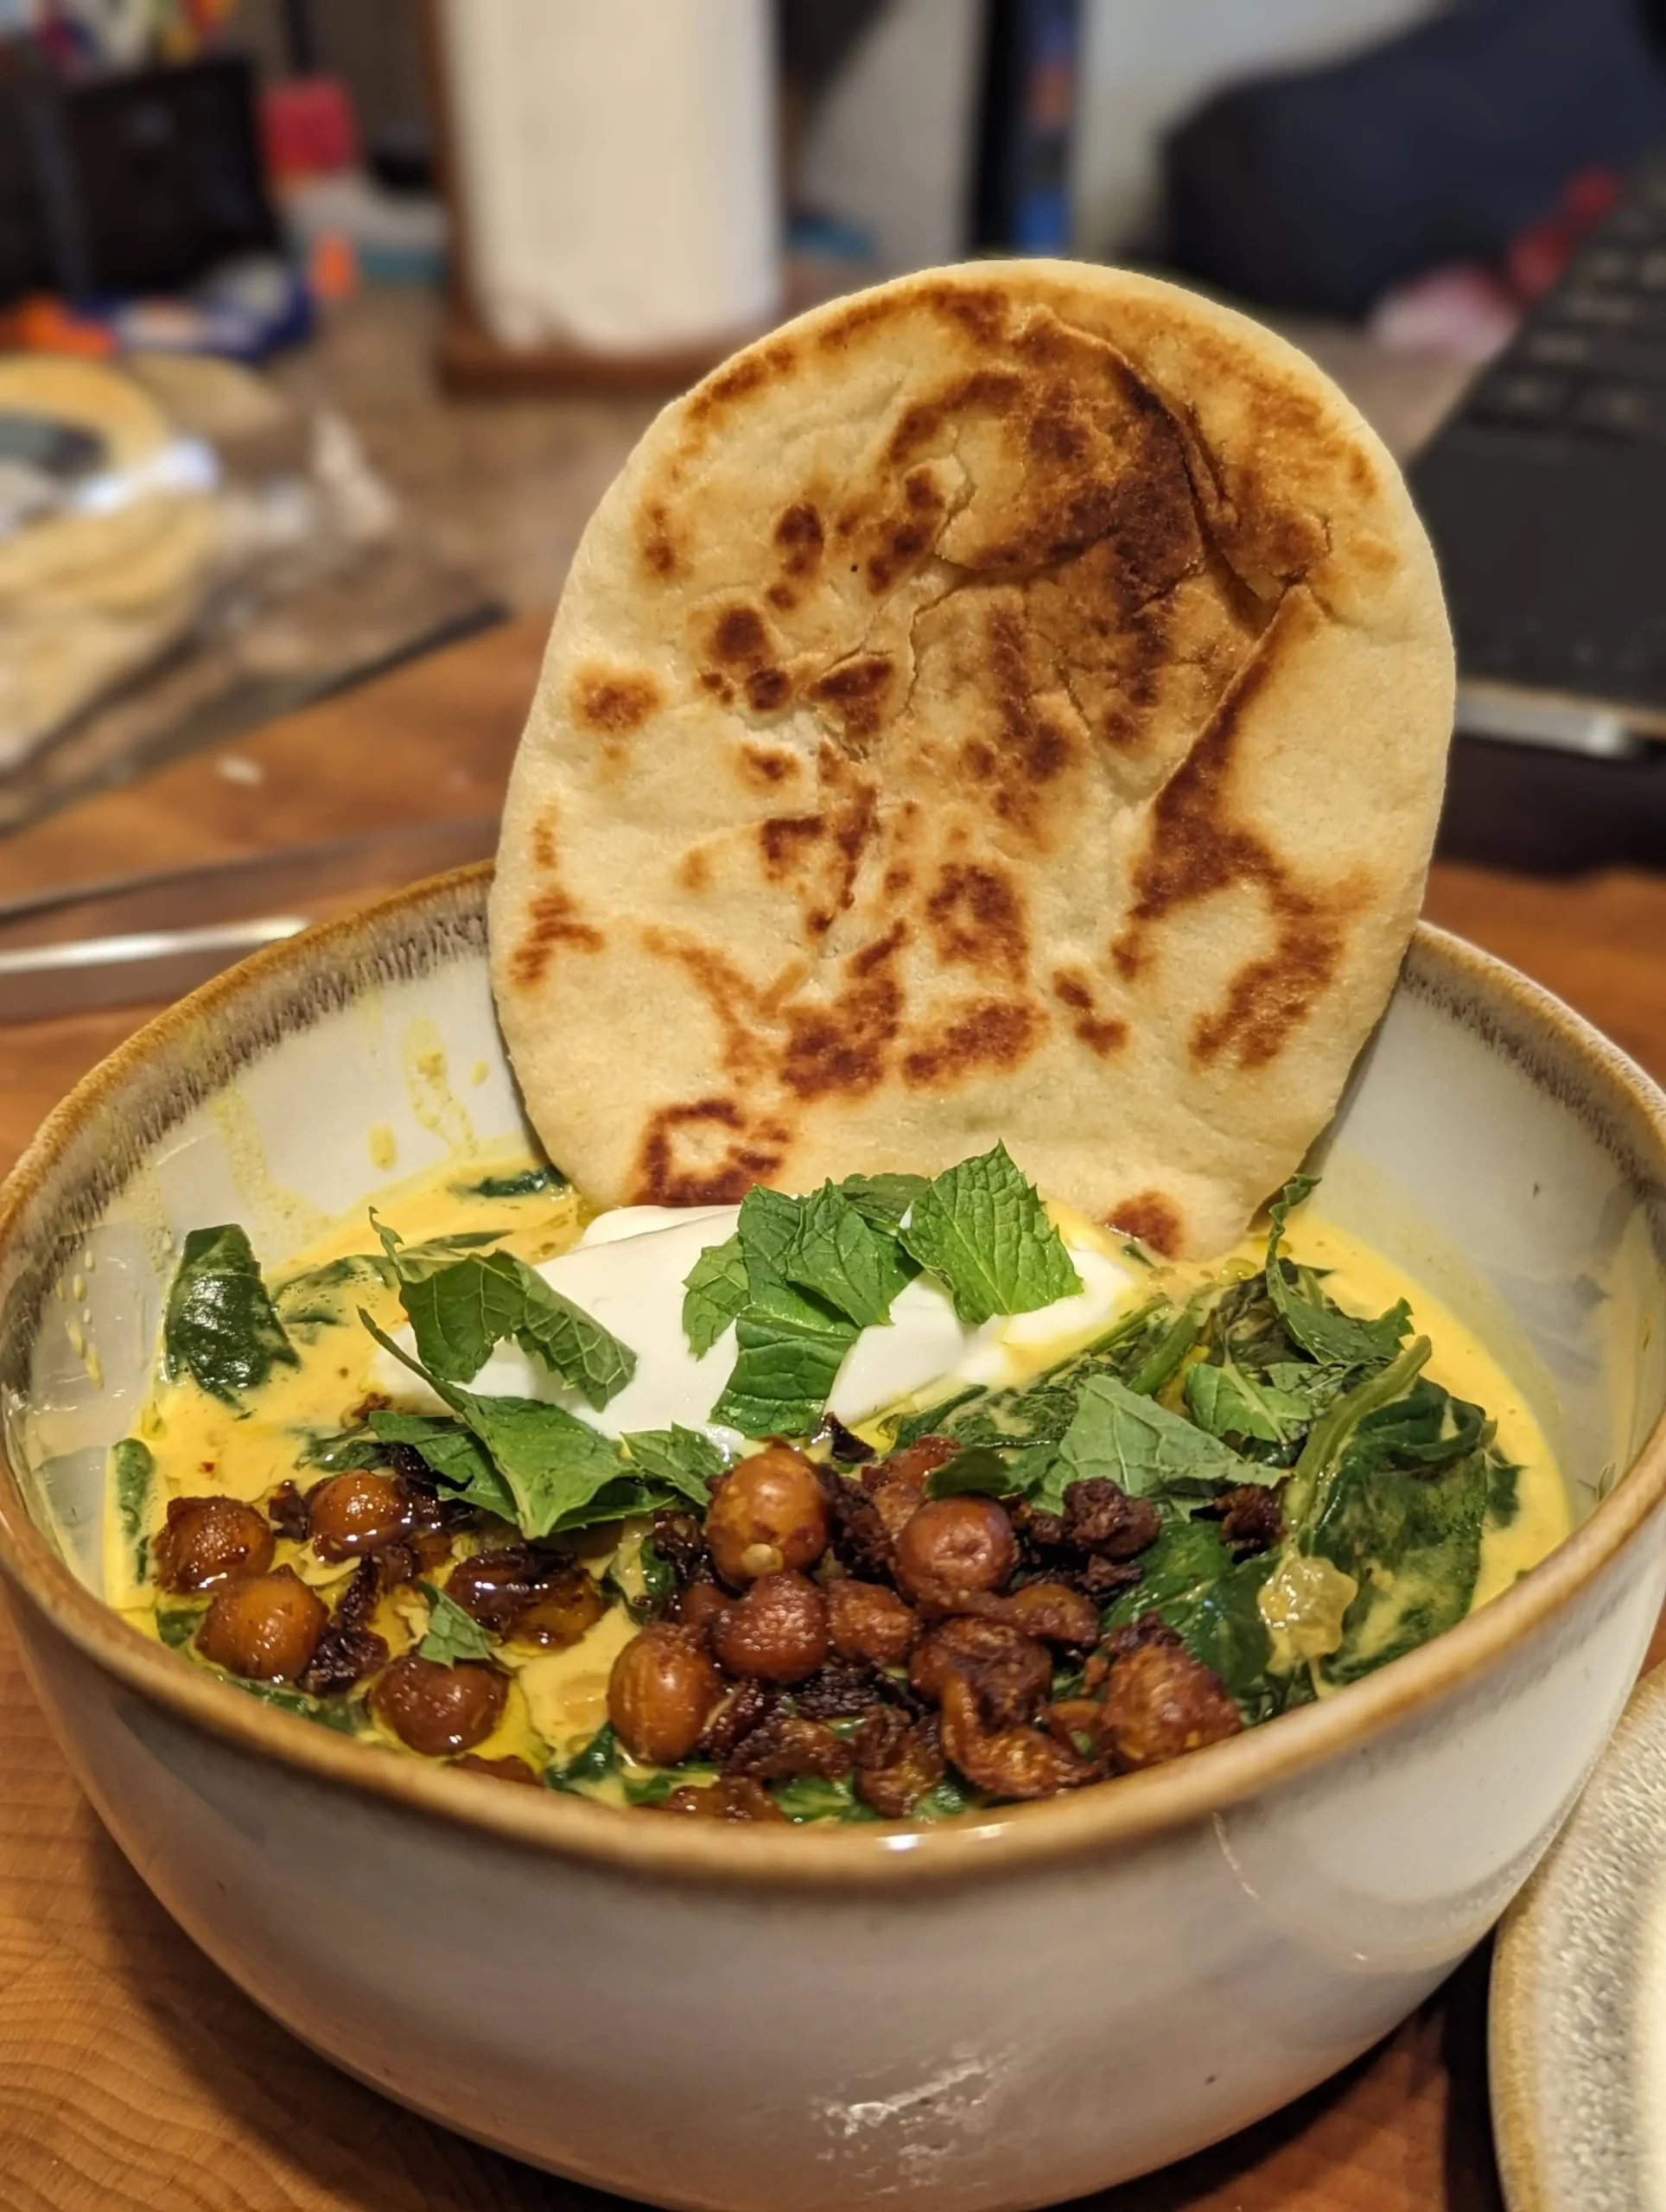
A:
323,324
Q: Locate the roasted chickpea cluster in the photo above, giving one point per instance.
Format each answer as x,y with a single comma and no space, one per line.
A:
855,1629
815,1625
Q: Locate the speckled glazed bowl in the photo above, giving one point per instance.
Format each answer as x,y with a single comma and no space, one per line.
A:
999,2012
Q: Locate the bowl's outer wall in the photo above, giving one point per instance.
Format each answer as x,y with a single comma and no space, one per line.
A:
1013,2041
1008,2037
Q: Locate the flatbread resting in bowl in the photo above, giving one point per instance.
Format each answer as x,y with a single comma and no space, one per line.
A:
1013,701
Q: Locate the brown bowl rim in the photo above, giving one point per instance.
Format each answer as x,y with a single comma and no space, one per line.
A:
1139,1812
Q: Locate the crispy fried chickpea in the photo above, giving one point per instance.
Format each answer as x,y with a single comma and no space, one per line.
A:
357,1512
561,1607
210,1541
662,1692
867,1621
736,1798
776,1632
440,1710
702,1604
1010,1672
492,1587
266,1627
1051,1611
1159,1702
768,1513
1009,1762
953,1546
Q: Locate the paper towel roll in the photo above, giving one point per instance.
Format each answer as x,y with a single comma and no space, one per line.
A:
614,167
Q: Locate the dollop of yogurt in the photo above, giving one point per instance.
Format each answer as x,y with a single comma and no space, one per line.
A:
627,1270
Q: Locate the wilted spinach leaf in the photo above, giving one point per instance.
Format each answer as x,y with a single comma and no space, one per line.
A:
1315,1322
220,1327
526,1185
345,1716
976,1470
135,1470
1150,1452
689,1461
1413,1542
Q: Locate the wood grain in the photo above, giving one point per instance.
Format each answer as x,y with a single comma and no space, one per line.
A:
132,2073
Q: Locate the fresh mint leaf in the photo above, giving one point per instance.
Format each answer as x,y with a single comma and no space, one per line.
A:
455,1454
1150,1452
791,1348
882,1200
220,1327
836,1253
715,1291
977,1471
553,1463
619,1500
461,1310
1228,1402
980,1228
689,1461
135,1470
1313,1320
570,1342
451,1634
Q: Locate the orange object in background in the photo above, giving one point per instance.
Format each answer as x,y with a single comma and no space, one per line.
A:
332,268
42,324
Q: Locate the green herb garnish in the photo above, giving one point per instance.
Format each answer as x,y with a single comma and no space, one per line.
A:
452,1633
982,1229
220,1327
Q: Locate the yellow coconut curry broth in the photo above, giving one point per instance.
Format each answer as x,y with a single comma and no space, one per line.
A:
1090,1548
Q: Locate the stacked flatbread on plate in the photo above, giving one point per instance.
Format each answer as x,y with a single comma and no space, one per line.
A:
1013,701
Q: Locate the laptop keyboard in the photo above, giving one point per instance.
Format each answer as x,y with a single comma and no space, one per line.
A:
1589,361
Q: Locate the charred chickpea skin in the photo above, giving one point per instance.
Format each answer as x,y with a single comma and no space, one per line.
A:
357,1512
266,1627
210,1541
956,1547
768,1513
562,1606
662,1692
867,1621
776,1632
439,1710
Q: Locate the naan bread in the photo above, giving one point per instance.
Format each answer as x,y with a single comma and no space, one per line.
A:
1010,703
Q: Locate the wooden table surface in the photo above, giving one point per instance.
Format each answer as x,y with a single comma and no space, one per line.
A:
132,2073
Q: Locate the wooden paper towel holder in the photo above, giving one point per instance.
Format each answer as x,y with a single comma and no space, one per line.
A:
469,361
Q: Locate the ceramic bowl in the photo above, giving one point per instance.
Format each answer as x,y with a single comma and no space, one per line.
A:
1000,2013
